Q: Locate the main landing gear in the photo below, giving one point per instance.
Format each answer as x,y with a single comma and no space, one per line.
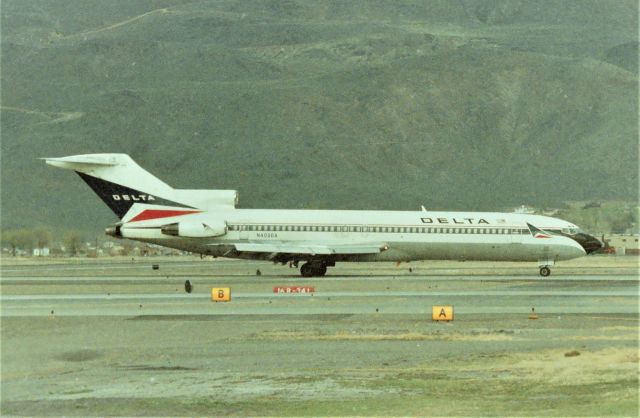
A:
313,269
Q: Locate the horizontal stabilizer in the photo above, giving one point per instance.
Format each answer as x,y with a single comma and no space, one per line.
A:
75,162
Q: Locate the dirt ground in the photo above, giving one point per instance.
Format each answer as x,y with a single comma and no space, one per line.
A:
347,350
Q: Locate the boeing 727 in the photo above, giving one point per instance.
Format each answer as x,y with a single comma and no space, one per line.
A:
208,222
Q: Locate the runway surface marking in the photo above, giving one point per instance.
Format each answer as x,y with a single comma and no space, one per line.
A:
124,296
269,278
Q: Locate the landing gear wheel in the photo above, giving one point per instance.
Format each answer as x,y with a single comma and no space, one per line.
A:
545,271
307,270
188,287
313,270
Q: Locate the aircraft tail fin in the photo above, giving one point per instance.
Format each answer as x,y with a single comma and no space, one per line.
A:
121,183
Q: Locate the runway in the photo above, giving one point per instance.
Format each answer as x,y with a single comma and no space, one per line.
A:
102,339
396,302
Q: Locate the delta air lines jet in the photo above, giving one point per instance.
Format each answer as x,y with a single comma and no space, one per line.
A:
208,222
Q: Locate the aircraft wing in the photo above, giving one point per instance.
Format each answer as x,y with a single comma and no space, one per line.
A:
311,248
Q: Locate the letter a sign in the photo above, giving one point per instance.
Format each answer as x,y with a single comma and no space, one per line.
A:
442,313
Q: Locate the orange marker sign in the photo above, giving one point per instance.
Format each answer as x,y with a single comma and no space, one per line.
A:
220,294
442,313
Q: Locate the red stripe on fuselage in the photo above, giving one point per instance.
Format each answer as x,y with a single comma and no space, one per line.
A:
161,213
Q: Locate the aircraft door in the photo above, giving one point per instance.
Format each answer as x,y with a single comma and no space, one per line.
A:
514,235
244,233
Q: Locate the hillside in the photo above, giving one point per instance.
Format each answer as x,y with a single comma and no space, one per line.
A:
469,105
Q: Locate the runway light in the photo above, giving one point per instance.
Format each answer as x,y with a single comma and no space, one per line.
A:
220,294
442,313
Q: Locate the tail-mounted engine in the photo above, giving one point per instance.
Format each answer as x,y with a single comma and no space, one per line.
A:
195,229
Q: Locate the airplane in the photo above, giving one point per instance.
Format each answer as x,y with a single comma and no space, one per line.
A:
209,223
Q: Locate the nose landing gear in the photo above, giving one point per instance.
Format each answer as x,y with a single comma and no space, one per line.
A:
545,264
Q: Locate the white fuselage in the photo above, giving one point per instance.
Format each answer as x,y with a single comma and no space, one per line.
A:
405,235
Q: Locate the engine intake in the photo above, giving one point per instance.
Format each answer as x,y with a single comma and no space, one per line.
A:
195,229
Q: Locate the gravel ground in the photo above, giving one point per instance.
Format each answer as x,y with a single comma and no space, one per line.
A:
131,342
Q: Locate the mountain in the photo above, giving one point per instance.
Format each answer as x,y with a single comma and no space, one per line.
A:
467,105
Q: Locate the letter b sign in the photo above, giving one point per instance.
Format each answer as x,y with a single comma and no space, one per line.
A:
220,294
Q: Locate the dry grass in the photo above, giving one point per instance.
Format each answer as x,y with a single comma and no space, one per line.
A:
405,336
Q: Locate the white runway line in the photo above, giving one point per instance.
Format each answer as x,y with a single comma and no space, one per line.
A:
185,296
267,279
